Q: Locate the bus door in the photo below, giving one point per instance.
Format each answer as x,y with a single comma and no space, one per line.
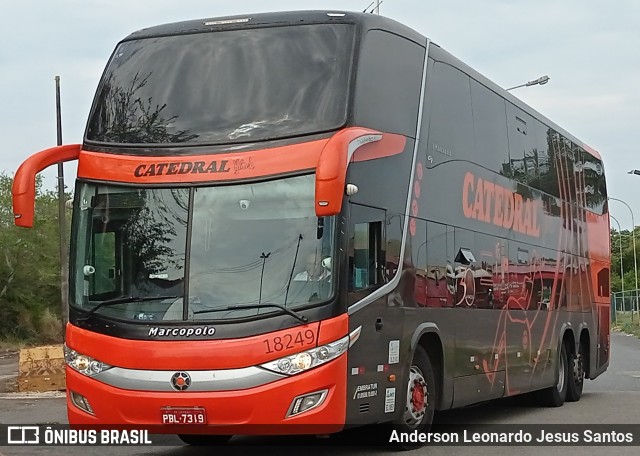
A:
376,355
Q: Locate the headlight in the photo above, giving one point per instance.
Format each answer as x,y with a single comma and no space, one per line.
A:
300,362
83,363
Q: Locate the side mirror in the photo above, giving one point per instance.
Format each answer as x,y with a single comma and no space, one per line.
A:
351,144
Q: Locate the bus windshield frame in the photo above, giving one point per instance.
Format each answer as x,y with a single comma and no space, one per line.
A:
245,249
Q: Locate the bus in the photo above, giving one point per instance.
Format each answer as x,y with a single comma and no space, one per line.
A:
303,222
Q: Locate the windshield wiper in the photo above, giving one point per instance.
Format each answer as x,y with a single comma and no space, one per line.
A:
123,300
295,315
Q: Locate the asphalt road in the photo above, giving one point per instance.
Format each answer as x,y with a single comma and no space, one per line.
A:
614,398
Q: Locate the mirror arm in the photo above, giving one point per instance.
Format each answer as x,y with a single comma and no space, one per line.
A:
24,182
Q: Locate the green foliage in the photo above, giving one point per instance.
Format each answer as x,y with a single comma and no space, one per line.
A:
29,268
624,239
627,323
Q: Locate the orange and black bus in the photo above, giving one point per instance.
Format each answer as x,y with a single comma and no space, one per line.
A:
306,221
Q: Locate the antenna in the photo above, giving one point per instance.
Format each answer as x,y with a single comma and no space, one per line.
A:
376,7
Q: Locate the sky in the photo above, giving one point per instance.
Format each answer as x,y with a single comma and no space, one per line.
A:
588,48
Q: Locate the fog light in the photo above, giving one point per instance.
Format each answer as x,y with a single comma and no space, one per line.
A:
307,402
81,402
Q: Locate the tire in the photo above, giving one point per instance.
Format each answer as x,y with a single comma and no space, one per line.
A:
421,398
557,394
576,375
204,439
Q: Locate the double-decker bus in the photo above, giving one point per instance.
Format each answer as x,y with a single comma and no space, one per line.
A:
300,222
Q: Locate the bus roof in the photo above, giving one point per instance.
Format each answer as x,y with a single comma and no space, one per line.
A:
365,20
275,20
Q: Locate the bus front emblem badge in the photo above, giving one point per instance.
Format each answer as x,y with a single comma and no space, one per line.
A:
180,381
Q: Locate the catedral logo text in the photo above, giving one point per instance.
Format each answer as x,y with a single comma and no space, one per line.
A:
185,167
491,203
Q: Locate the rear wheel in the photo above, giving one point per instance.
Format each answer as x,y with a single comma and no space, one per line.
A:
576,377
420,402
204,439
556,395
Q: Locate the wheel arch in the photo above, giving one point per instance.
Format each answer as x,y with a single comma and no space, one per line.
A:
427,336
568,337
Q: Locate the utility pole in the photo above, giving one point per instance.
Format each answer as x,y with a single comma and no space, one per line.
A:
377,7
62,225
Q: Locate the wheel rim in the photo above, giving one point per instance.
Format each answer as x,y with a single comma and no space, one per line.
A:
417,398
561,374
578,371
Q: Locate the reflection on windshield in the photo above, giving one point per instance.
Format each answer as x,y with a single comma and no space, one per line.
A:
250,245
225,87
134,246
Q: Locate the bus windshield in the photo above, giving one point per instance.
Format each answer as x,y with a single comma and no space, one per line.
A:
240,245
225,87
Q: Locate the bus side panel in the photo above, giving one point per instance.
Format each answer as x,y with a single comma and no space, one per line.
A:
599,253
512,194
380,353
376,226
387,99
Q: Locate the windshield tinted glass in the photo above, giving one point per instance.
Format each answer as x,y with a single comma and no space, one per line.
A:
225,87
258,243
250,244
130,243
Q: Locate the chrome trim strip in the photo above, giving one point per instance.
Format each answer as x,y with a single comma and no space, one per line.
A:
323,396
389,286
201,380
354,335
358,143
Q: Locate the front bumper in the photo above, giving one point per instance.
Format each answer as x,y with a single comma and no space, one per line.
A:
258,410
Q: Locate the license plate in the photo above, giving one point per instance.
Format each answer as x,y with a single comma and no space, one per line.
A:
184,415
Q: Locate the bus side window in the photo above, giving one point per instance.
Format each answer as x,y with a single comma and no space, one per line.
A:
366,258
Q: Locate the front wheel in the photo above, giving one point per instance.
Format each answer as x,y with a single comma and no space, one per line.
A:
204,439
420,402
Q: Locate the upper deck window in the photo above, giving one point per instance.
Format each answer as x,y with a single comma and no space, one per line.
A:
225,87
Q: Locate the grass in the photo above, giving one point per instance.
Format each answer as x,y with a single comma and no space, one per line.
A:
10,345
46,329
625,323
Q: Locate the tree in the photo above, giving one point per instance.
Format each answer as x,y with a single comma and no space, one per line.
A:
624,239
29,268
125,116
